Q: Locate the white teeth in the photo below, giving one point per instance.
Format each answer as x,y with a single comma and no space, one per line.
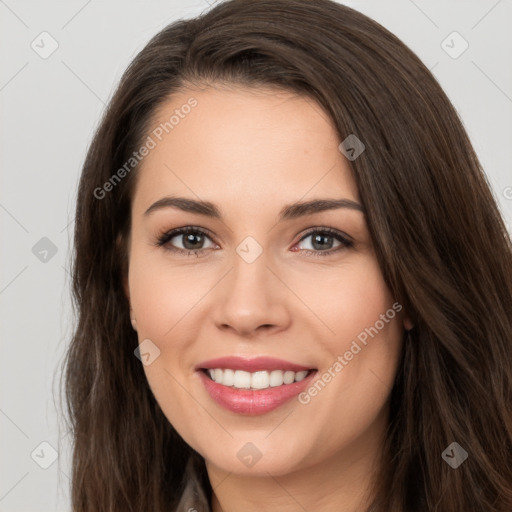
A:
260,380
288,377
242,379
257,380
300,375
228,377
276,378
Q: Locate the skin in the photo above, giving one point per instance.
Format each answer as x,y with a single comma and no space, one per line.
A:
251,151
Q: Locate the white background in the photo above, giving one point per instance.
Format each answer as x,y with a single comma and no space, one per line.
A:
49,110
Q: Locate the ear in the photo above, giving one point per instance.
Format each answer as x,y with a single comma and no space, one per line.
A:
127,292
407,322
133,320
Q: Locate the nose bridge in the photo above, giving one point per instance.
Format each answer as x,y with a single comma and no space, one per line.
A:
250,294
250,277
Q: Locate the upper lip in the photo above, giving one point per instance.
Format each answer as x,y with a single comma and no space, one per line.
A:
251,365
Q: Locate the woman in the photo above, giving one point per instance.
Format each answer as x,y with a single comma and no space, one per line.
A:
293,284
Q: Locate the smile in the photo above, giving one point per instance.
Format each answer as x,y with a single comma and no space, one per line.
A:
253,386
258,380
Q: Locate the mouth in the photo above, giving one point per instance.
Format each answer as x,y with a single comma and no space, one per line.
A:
263,379
253,386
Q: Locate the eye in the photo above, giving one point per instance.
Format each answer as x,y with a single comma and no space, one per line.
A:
192,239
323,240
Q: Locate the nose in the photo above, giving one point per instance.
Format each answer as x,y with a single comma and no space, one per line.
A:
252,299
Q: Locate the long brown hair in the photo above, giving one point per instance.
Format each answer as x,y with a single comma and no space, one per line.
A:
441,244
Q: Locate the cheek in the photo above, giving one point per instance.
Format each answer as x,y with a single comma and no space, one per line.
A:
369,329
360,355
160,296
161,299
352,299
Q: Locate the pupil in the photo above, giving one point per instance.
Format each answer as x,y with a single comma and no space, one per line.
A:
316,240
190,238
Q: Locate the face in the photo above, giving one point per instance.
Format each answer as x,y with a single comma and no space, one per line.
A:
282,292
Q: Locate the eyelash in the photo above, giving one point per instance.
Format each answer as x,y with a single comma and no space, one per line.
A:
167,236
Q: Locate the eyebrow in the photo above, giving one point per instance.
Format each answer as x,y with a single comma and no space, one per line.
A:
290,211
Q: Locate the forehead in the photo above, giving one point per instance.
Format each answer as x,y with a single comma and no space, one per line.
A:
239,144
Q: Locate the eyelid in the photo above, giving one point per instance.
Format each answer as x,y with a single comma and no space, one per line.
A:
166,236
325,229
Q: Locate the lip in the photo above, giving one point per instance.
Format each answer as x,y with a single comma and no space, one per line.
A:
251,365
252,402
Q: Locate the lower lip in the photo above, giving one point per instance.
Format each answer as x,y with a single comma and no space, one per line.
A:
253,401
